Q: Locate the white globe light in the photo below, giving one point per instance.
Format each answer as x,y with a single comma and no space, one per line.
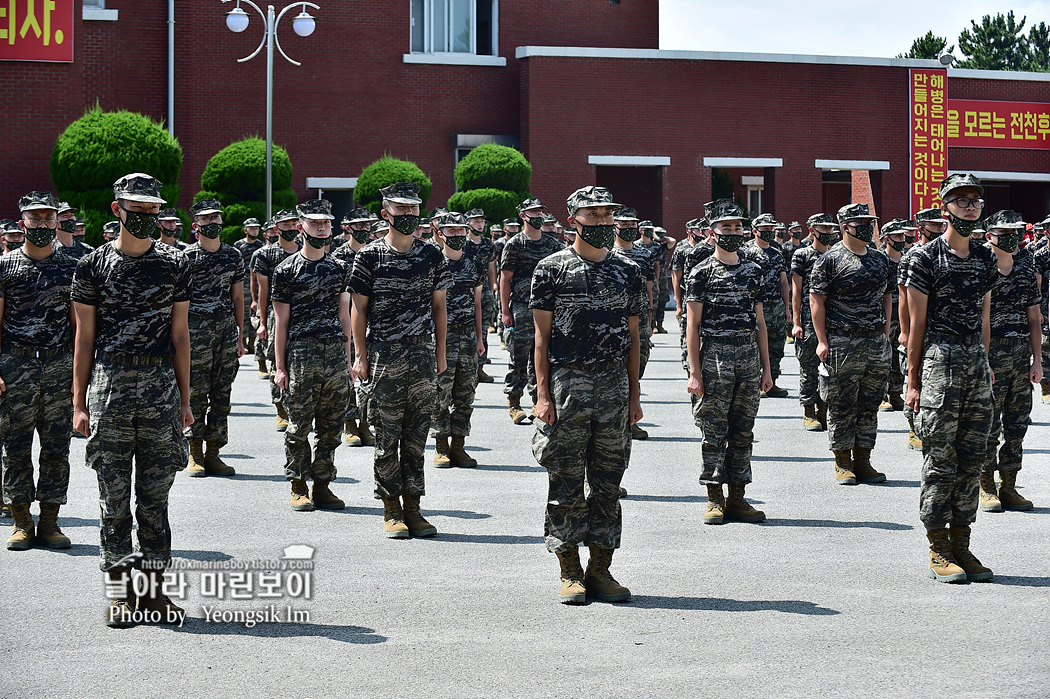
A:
237,20
304,24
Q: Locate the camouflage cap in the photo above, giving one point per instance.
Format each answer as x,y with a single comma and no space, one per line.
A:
285,215
315,210
646,225
530,203
550,218
475,213
725,210
359,215
268,225
793,225
425,221
852,212
495,228
64,206
205,207
898,225
692,224
659,233
378,226
453,219
764,220
252,222
402,193
626,214
590,196
958,180
168,215
436,215
511,222
1045,223
710,206
929,215
80,221
138,186
37,200
1004,219
780,226
111,227
6,223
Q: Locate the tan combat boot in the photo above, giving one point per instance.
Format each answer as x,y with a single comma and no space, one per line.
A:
282,418
862,467
458,455
47,529
350,435
1008,494
517,415
960,538
738,508
156,604
844,474
414,519
1045,386
120,599
599,582
822,416
367,438
22,534
213,464
483,377
942,565
885,406
196,468
441,459
264,373
989,495
301,501
324,498
716,505
394,519
638,433
572,587
913,439
809,418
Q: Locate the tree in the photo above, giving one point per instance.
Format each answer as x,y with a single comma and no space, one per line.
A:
383,173
995,44
1039,48
928,46
493,178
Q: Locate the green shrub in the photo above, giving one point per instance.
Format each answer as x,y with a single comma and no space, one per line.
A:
383,173
496,203
493,166
239,171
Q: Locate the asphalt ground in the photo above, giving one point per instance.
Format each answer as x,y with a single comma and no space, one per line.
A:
829,597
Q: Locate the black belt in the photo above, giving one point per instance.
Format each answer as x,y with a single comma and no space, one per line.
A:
33,352
319,340
947,338
860,333
592,366
132,359
729,339
1010,341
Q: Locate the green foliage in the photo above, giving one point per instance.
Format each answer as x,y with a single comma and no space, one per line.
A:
491,166
497,203
928,46
383,173
995,44
1039,48
236,176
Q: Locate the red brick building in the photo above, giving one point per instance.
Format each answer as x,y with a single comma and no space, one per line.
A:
426,80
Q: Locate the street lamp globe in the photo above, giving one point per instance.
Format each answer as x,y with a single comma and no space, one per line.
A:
304,24
237,20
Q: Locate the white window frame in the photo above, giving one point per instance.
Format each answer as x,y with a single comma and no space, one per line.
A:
95,10
429,55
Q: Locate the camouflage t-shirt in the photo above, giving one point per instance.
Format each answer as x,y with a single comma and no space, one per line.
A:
854,286
1041,261
247,249
36,300
1012,296
591,303
266,259
644,259
312,289
771,260
955,287
521,254
696,255
802,264
659,252
902,265
788,249
211,276
346,254
482,251
497,253
399,287
76,250
467,273
133,297
894,265
678,255
729,294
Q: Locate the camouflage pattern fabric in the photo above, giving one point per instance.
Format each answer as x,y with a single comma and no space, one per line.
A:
858,369
729,294
247,250
484,252
699,253
77,250
318,382
457,385
36,300
896,377
1012,296
643,258
212,275
521,254
955,286
213,368
312,289
855,286
590,443
1009,359
521,346
37,399
346,254
806,348
467,274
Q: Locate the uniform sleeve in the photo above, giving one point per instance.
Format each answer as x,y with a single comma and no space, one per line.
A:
798,263
280,290
348,271
919,275
1031,292
891,275
262,264
543,292
760,287
635,289
85,285
694,284
649,269
820,276
442,274
362,275
509,259
237,263
183,291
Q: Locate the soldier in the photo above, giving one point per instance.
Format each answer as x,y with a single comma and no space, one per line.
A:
13,236
110,230
764,252
678,276
728,363
482,249
131,390
171,229
311,303
521,254
80,231
1014,357
586,304
67,226
215,322
849,295
399,327
499,241
1041,255
247,247
36,370
815,410
895,235
949,283
269,236
791,243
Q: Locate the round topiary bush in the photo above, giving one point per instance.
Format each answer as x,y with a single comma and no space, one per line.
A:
491,166
383,173
497,203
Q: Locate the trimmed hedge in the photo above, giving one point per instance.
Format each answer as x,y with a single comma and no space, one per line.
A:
496,203
383,173
491,166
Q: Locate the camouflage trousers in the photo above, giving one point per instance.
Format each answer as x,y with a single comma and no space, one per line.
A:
590,443
354,401
1009,359
808,365
897,373
401,387
682,328
858,368
318,380
37,399
1046,346
213,368
454,403
954,420
732,373
521,343
251,322
271,353
661,295
644,349
488,309
776,333
135,418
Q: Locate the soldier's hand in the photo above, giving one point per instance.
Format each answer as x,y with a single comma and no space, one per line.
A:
255,307
822,351
508,320
636,411
361,367
912,400
545,410
82,422
350,370
696,385
678,313
280,377
261,332
442,365
187,416
3,387
796,332
240,349
903,340
767,381
1035,375
481,348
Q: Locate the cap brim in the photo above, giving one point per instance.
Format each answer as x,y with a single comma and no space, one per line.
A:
142,198
404,200
36,207
199,213
319,217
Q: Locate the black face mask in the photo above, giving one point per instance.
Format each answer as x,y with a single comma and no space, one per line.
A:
534,221
897,245
931,235
1007,242
68,226
14,245
40,237
315,242
210,230
767,235
361,236
826,239
405,224
730,243
863,231
289,236
456,242
427,234
600,236
962,226
628,234
271,238
140,224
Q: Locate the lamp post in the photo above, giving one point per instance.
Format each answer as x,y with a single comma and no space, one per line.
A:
303,24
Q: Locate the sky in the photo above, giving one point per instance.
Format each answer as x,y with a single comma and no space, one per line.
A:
825,27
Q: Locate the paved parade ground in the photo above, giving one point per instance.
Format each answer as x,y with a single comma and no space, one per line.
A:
829,597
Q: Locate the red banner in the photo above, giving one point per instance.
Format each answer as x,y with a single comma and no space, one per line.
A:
36,30
928,128
983,124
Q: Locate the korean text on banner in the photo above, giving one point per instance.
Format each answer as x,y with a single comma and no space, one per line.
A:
36,30
928,128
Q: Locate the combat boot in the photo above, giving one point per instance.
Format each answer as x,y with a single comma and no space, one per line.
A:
638,433
942,565
960,538
47,529
156,603
896,401
213,464
483,377
809,418
775,392
1045,386
458,453
738,508
572,587
414,519
1008,494
844,474
301,501
913,439
394,525
120,599
22,534
822,416
367,438
196,468
441,459
264,373
5,511
989,495
885,406
862,467
350,435
324,498
599,582
517,415
716,505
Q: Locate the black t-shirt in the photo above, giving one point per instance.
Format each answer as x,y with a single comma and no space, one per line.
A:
802,264
854,286
247,250
955,287
266,259
468,273
36,299
771,260
1012,296
211,276
312,289
697,254
482,251
729,294
521,254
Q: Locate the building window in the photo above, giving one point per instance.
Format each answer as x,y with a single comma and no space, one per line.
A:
454,26
95,4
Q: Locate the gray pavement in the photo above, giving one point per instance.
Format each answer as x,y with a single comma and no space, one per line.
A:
827,598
